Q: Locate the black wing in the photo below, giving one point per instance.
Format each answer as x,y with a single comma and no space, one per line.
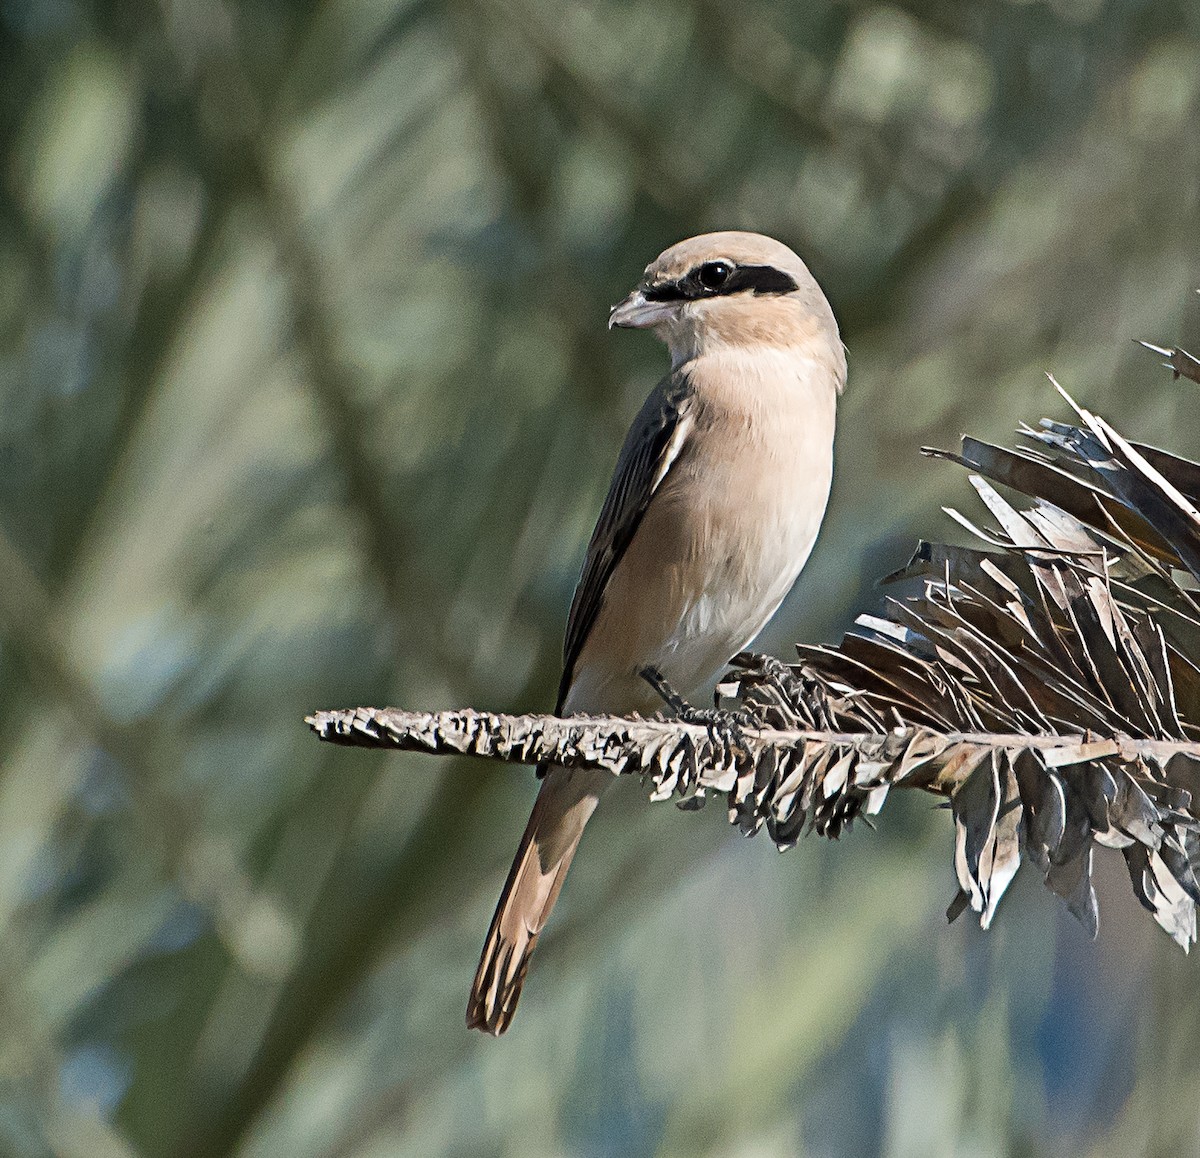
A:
653,443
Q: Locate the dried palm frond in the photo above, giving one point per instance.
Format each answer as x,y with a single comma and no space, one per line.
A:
1046,683
1079,620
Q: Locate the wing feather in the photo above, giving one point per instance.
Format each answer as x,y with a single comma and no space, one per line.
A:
651,447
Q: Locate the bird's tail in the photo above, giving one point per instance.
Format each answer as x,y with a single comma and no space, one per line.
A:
567,799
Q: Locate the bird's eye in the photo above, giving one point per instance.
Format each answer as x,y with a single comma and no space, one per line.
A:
712,275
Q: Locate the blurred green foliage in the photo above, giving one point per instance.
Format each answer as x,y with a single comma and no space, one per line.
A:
307,401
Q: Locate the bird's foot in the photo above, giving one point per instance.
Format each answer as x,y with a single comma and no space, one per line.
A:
726,727
800,697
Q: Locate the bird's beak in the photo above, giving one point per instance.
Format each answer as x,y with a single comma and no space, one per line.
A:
636,313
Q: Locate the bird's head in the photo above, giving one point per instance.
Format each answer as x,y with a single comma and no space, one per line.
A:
729,289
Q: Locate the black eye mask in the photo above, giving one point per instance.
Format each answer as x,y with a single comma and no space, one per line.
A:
719,278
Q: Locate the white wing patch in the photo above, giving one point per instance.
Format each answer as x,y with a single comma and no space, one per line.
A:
679,436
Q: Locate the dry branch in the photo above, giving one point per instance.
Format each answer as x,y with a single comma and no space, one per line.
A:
626,745
788,778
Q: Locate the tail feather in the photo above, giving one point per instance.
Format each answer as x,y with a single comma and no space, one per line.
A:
564,805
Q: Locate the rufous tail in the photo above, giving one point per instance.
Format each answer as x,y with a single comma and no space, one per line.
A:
563,807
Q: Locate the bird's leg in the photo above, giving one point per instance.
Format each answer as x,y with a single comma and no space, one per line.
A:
681,708
668,694
724,726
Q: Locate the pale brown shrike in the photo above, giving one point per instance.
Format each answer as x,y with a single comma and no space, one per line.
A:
713,509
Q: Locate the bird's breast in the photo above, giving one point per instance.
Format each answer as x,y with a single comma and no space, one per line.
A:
718,548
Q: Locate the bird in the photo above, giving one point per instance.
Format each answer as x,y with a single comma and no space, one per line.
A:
718,494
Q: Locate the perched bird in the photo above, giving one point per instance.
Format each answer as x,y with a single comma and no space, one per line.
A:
713,509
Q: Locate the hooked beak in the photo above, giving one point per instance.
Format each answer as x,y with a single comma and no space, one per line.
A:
636,313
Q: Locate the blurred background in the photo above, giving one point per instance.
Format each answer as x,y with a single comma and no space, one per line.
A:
307,401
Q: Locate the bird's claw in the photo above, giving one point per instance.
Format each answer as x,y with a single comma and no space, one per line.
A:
725,726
